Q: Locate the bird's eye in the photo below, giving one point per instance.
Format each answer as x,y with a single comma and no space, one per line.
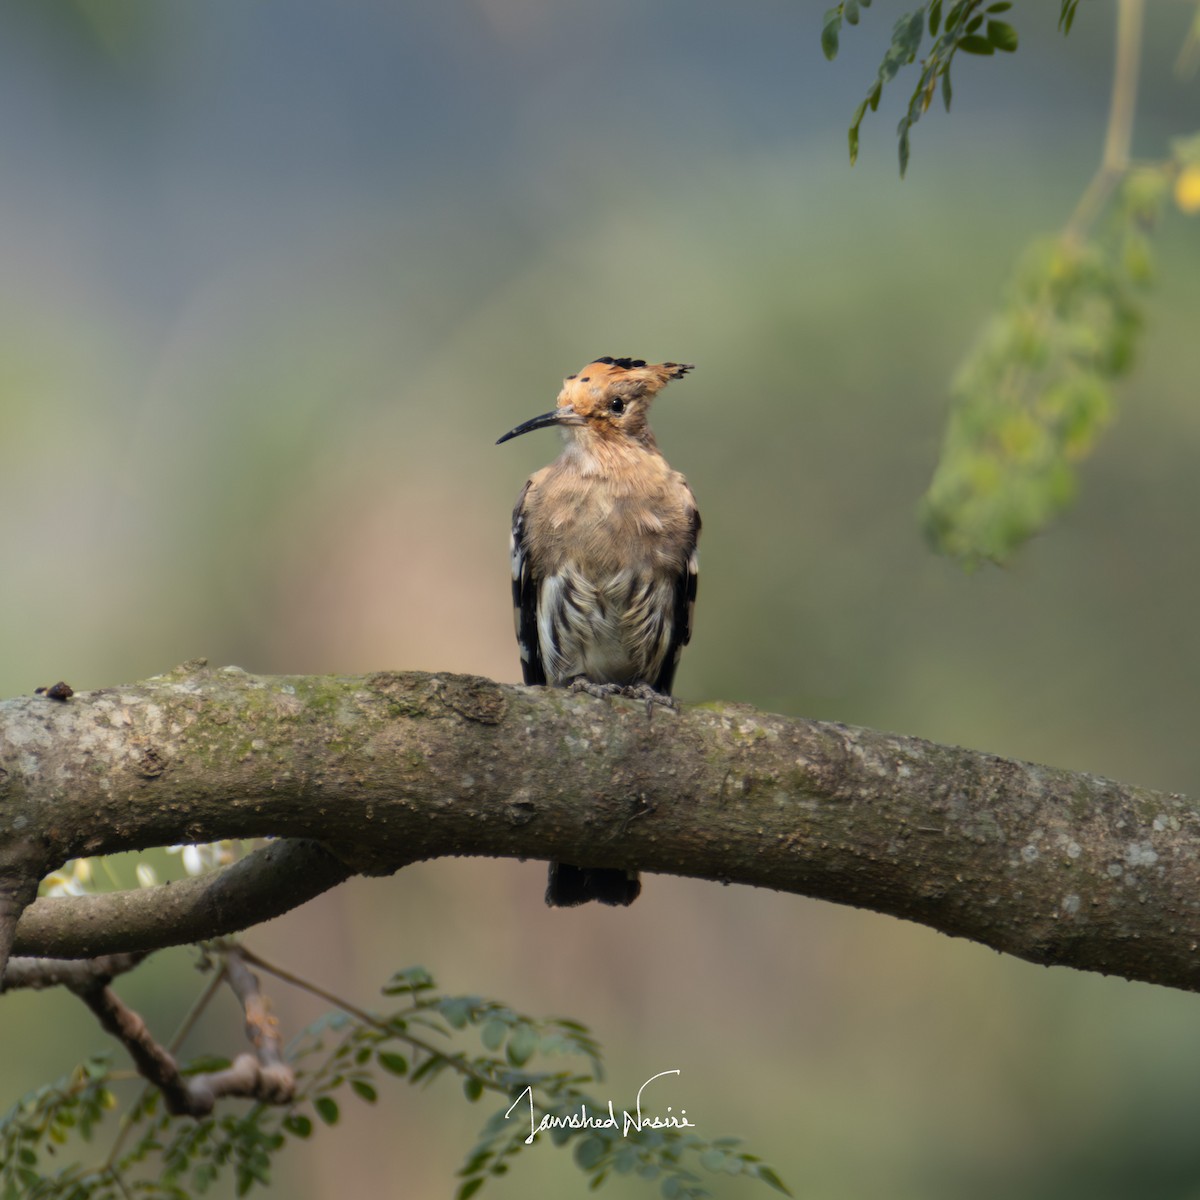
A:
616,406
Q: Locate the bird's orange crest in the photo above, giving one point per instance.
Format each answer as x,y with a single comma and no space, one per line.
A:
613,395
592,388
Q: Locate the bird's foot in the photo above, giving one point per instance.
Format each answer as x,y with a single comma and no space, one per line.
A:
631,691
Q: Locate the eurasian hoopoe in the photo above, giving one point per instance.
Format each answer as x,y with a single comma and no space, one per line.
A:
604,562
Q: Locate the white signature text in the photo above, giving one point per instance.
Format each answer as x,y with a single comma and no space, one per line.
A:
583,1119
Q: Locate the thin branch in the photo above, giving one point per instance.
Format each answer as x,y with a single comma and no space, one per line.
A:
458,1062
1118,137
151,1060
1189,52
193,1014
266,883
262,1076
315,989
73,973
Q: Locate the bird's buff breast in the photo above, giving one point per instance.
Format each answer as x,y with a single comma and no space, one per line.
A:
601,529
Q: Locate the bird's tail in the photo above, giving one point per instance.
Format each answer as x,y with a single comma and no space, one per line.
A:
569,886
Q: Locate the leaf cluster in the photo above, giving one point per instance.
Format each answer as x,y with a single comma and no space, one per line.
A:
1034,394
44,1121
969,26
487,1045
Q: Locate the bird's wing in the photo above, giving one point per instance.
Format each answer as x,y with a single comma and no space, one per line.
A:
525,598
681,618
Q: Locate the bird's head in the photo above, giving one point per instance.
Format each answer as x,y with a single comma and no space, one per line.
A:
609,399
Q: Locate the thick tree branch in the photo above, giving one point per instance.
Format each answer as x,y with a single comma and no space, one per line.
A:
1053,866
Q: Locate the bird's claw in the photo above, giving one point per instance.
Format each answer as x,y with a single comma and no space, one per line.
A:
631,691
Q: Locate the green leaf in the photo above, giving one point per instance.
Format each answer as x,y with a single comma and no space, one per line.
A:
770,1179
590,1152
327,1109
973,44
473,1088
364,1090
935,17
457,1011
494,1033
625,1160
829,33
469,1188
1002,6
908,32
1002,35
850,11
946,90
429,1068
573,1026
522,1045
397,1064
298,1124
411,979
954,16
476,1163
855,122
97,1068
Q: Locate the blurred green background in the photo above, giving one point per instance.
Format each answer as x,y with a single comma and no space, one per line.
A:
276,276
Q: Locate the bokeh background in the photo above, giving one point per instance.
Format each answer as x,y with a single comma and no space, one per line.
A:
274,278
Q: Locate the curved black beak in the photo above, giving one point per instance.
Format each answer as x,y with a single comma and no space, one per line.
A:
557,416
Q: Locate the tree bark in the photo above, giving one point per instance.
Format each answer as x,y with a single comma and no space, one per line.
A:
384,770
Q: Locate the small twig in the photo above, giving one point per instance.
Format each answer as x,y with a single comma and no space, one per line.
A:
314,989
119,1180
1189,52
196,1011
185,1027
457,1061
264,1076
1118,138
152,1061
